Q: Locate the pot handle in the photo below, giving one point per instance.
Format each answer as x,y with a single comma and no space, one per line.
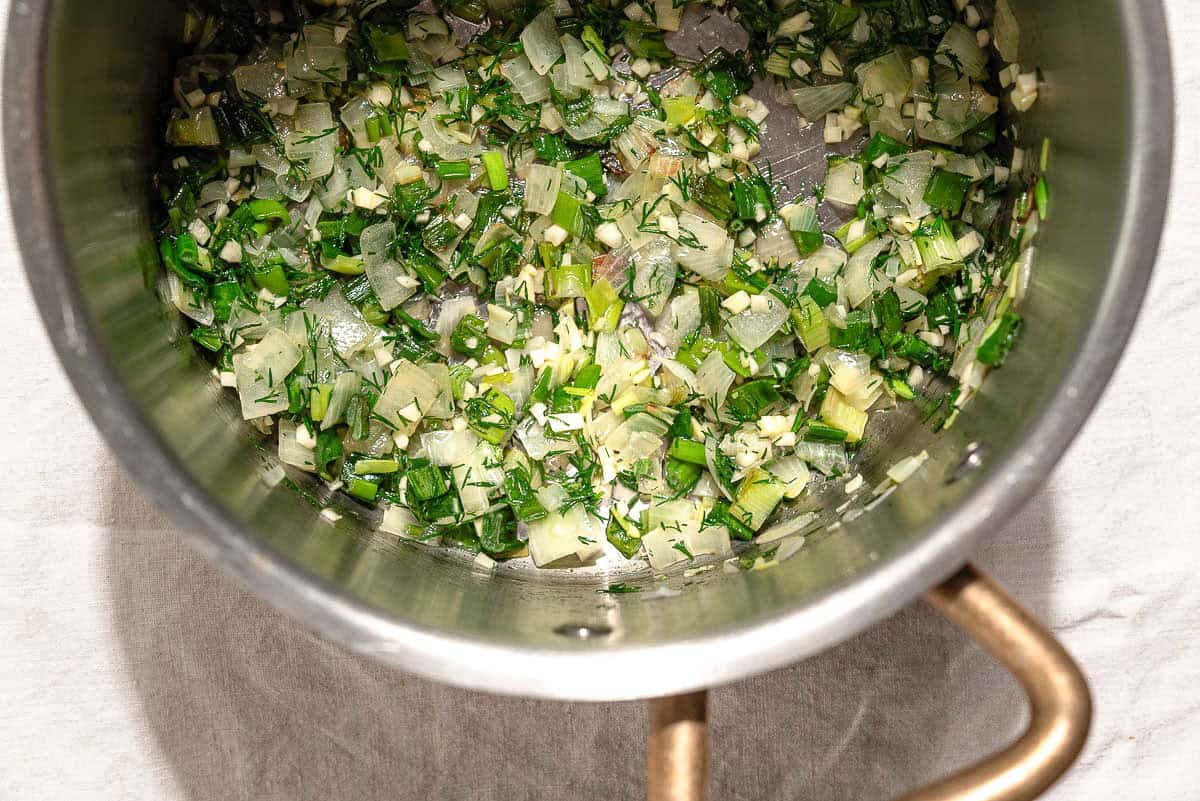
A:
1059,700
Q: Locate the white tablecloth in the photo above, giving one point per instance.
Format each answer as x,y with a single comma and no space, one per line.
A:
131,669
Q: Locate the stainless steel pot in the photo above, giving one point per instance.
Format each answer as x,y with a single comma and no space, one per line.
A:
82,81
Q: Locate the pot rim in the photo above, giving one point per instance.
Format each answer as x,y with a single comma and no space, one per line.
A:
571,673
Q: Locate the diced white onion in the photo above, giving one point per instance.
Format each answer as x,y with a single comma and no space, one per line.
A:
540,40
751,329
815,102
844,183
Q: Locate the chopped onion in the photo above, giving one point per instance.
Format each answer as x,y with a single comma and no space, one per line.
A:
571,534
858,278
445,448
960,51
714,378
844,183
261,371
681,318
667,14
815,102
752,329
193,129
291,451
452,312
263,80
348,331
317,59
905,179
397,520
313,141
787,528
654,274
793,472
1006,33
577,73
184,299
408,393
605,112
540,39
826,262
447,79
775,242
961,107
711,260
476,476
344,386
532,88
533,437
443,407
541,188
682,511
391,282
443,142
889,74
681,372
827,457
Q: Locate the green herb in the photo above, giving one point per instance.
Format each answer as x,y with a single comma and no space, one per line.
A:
619,588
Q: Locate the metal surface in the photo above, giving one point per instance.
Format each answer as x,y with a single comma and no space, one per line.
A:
79,128
1059,702
677,749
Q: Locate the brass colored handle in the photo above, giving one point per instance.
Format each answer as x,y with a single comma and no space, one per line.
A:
677,753
1060,704
1059,701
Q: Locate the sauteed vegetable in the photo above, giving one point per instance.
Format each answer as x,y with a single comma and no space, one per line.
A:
514,273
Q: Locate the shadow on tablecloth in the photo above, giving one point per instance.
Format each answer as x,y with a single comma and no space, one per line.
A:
245,704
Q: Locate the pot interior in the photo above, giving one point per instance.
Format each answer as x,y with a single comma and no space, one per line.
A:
183,435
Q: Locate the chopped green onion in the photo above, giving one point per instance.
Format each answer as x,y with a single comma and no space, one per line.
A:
366,467
837,412
318,401
470,336
208,338
947,191
497,172
521,496
591,170
491,416
1041,196
679,110
604,306
819,432
723,515
883,145
687,450
999,338
748,401
623,535
453,169
362,489
328,454
758,495
752,198
425,481
811,326
570,280
566,213
806,230
386,45
937,246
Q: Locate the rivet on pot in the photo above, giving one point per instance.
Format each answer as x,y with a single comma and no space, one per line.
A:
972,458
583,631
